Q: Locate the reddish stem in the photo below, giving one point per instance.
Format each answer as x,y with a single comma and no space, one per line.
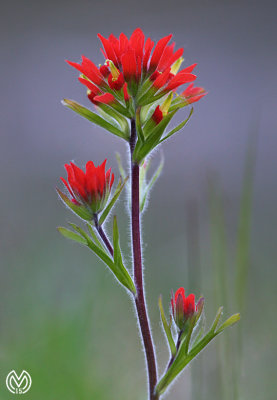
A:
138,275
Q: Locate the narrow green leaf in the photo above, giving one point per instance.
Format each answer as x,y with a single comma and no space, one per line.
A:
178,127
120,271
113,200
167,329
71,235
229,322
95,118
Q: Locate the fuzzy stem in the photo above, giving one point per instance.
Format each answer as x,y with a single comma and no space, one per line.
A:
138,274
102,234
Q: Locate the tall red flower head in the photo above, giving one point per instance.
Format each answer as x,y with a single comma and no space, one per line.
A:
134,61
183,307
89,189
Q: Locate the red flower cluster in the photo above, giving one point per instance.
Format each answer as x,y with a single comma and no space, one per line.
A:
89,189
182,307
129,63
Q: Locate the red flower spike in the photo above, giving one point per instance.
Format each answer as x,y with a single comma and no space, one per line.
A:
130,61
89,189
183,308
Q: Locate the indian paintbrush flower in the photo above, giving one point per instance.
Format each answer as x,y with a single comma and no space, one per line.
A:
89,190
129,61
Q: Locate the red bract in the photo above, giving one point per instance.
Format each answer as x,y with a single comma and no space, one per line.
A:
183,307
193,94
90,188
130,61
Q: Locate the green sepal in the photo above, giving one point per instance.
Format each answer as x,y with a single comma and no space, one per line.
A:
71,235
95,118
142,149
108,208
178,127
146,188
81,210
167,329
120,271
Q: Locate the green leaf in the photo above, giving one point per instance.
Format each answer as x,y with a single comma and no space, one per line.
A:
81,211
178,127
167,329
151,183
113,200
95,118
120,271
71,235
229,322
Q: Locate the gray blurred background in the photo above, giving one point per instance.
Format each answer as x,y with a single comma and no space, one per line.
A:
62,317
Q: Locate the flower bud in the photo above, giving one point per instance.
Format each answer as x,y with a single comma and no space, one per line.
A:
183,308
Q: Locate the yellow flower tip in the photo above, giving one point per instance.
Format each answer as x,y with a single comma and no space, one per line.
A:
166,104
114,71
176,66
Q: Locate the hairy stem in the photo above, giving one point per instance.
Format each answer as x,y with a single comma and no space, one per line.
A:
102,234
138,274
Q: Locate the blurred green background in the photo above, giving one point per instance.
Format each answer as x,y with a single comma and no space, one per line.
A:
62,316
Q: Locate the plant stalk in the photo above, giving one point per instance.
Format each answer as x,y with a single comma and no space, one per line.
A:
138,274
102,234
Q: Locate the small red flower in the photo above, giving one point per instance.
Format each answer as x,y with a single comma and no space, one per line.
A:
183,307
91,188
